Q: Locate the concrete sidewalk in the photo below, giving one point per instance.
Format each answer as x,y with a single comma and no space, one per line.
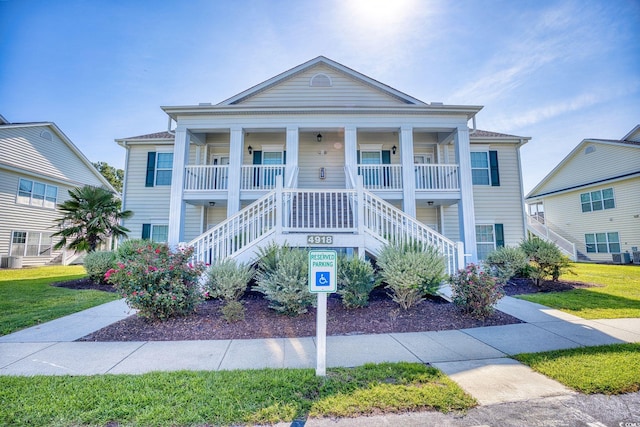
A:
477,358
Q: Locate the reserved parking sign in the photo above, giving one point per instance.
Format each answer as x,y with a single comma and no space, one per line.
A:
322,271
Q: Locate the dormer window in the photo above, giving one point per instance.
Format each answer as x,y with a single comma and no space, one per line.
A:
320,80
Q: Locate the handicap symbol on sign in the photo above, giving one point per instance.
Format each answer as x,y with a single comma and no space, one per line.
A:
322,278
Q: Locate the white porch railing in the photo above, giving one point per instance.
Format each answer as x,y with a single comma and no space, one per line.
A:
381,177
390,223
206,177
319,210
541,228
238,232
356,211
260,177
436,177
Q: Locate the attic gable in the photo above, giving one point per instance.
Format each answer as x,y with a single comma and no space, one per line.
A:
321,82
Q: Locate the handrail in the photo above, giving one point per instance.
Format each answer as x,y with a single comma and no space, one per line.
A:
390,223
381,177
237,232
544,230
437,177
206,177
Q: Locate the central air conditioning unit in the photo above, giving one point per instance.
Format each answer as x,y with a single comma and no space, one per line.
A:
622,258
636,257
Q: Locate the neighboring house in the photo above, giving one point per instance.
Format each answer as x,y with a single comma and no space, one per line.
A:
324,156
39,165
590,203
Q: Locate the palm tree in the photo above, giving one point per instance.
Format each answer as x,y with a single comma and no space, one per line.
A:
91,216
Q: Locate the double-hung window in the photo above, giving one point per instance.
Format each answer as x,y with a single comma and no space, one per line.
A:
36,193
484,168
597,200
488,238
602,242
155,232
159,169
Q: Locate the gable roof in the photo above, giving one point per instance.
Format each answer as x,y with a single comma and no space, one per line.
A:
246,102
267,84
69,144
626,141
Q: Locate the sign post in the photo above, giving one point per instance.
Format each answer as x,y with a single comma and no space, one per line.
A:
322,280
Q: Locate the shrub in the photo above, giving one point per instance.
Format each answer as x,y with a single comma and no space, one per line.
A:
411,271
97,264
131,248
545,259
282,279
475,292
228,280
159,283
506,262
356,280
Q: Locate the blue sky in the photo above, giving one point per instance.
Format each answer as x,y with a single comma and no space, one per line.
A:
557,71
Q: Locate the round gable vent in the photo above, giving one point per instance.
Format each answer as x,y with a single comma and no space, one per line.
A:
320,80
590,149
46,135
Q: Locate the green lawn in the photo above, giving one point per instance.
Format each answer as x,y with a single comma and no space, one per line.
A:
227,397
607,369
619,295
27,299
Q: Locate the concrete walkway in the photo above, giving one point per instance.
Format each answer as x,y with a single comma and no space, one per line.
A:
477,358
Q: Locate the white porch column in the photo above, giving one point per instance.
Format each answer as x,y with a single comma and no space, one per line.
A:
466,212
292,148
408,177
176,204
351,150
236,145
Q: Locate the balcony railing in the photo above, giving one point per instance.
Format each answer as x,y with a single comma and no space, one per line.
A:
260,177
436,177
381,177
206,177
440,177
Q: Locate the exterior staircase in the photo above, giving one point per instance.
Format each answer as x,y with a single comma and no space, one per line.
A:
348,218
540,227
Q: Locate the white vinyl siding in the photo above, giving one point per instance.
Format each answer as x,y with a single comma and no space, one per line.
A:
150,205
24,148
501,204
344,91
315,155
564,212
607,161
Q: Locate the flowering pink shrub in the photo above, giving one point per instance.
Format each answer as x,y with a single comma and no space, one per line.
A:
159,283
475,292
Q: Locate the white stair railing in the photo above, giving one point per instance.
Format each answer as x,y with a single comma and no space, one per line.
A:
237,233
392,225
545,232
327,211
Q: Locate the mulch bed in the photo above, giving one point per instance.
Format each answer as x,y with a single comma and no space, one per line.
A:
381,316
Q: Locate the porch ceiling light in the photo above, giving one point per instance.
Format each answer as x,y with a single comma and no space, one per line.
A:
212,204
393,149
430,203
250,148
319,137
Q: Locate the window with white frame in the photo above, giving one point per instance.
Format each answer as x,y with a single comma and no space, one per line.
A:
480,172
164,167
30,243
35,193
602,242
597,200
160,233
485,240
